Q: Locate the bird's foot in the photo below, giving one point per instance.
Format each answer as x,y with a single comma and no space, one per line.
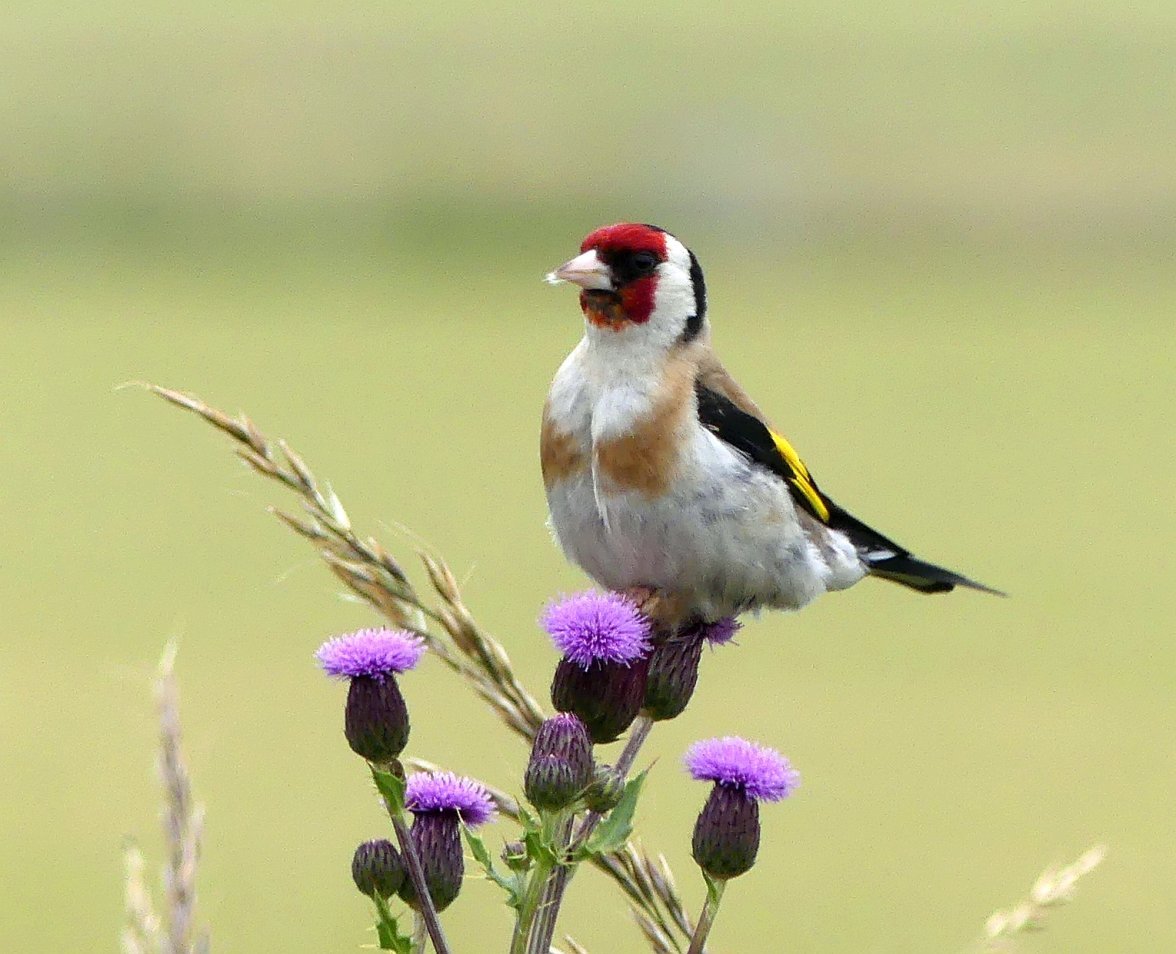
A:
662,609
644,597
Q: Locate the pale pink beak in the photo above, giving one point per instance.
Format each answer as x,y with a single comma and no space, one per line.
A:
586,270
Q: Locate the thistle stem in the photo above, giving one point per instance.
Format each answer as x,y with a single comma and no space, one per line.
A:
714,896
563,871
545,919
527,924
419,933
427,911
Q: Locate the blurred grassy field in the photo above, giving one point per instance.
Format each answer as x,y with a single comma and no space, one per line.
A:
939,248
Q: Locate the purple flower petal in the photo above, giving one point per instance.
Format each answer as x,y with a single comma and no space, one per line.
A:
370,652
761,772
446,792
597,627
721,631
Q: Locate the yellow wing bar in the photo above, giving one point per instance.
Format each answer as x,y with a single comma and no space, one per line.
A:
801,481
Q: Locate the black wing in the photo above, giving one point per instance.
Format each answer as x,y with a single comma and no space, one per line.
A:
753,438
758,442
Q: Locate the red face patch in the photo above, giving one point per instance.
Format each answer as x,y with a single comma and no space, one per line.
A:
637,299
635,296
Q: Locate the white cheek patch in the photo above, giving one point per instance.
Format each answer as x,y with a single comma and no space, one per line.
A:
677,254
673,301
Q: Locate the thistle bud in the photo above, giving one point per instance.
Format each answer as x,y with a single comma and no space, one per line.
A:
377,868
673,667
515,857
375,720
606,696
560,765
437,840
727,833
673,674
604,794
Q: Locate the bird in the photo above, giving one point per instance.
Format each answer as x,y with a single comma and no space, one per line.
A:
664,478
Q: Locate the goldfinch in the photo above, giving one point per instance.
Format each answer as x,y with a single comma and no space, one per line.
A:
663,476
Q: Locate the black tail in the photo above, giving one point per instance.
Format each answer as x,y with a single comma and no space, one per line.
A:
887,560
924,577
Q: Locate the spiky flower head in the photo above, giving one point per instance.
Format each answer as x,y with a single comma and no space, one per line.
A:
727,832
448,793
560,766
374,653
375,720
763,773
377,868
594,627
673,666
440,802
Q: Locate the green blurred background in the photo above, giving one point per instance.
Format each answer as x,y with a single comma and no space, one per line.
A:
940,246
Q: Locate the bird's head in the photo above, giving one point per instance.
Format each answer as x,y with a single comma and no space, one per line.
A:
637,277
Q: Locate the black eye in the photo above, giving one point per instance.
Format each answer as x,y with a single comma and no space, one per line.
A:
644,261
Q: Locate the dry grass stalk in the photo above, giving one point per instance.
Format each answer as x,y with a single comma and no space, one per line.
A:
147,932
1054,887
661,903
657,940
141,933
372,573
183,819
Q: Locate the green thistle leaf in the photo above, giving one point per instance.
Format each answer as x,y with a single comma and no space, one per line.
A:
391,787
540,849
513,884
388,930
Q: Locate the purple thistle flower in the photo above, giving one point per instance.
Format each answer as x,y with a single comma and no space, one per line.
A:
763,773
375,720
727,833
437,792
596,627
375,653
721,631
437,800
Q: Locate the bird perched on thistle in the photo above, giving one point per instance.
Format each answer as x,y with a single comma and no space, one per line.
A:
663,476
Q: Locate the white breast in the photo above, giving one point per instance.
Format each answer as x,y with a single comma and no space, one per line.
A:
725,537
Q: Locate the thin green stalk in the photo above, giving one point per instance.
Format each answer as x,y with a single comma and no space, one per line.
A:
714,897
526,924
416,873
563,872
545,920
